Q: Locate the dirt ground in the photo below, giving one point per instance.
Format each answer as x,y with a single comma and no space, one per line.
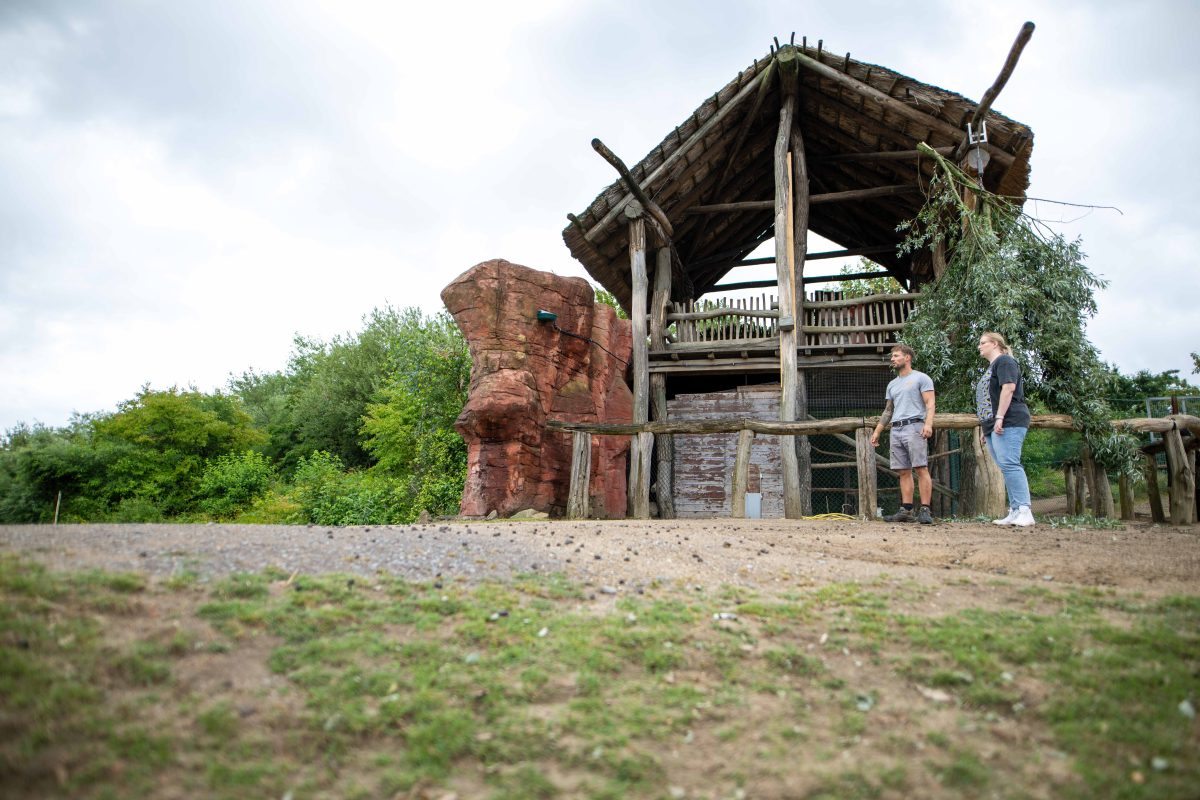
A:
1138,556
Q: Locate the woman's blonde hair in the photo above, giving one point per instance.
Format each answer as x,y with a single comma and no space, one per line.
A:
998,340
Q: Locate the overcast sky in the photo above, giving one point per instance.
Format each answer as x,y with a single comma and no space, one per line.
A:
189,184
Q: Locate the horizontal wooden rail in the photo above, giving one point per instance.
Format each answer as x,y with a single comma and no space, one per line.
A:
867,460
1061,422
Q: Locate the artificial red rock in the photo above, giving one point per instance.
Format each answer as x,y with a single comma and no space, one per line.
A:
524,372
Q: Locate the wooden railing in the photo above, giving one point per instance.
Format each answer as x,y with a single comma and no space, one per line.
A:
1183,473
727,323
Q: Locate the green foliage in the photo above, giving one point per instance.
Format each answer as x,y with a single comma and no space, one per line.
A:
142,463
378,405
861,287
234,481
607,298
1127,393
1007,275
328,494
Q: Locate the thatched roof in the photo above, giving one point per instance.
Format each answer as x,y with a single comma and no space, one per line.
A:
835,118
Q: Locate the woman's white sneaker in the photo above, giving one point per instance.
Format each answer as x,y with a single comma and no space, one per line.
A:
1024,518
1012,514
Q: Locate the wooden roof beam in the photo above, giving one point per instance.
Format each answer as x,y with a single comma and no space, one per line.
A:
886,155
698,136
892,104
992,93
634,189
816,199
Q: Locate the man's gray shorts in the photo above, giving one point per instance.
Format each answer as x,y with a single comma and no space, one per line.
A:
909,448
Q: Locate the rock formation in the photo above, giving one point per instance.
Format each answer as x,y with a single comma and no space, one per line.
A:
524,371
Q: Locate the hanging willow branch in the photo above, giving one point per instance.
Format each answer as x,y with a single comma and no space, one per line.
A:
1008,273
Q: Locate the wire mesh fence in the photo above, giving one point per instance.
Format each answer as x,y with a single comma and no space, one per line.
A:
859,391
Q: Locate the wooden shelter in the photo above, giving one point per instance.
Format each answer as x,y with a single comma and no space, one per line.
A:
802,140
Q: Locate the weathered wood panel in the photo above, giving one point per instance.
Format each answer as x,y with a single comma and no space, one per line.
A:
704,464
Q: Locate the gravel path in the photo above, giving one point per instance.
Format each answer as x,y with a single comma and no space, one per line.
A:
629,554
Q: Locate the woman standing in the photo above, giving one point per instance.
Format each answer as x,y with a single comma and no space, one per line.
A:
1004,421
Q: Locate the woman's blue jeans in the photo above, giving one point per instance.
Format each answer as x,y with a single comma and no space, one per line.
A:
1006,449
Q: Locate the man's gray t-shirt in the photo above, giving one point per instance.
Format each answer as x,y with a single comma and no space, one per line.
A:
905,394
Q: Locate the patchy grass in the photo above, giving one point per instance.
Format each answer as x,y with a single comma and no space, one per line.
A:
335,686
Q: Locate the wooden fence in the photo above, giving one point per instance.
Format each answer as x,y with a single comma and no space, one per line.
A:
1181,457
735,323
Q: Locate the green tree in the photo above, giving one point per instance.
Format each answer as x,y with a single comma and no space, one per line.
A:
1006,274
410,431
1127,393
155,447
861,287
607,298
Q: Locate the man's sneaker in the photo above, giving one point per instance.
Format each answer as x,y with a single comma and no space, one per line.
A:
1024,518
924,516
1012,514
903,515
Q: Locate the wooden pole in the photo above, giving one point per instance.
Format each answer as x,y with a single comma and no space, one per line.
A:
1089,480
816,199
1126,496
1150,470
633,187
579,496
868,487
57,503
1105,503
1079,500
664,443
1183,480
927,121
993,92
785,276
668,164
800,206
1069,487
741,472
639,479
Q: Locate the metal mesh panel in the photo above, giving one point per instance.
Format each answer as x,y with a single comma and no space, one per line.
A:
854,392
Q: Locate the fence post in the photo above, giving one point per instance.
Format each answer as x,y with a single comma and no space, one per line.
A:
1150,470
1183,480
1126,496
741,470
868,487
578,499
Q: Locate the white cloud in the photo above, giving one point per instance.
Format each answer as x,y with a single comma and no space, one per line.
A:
189,185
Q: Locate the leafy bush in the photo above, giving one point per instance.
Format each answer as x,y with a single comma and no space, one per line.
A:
232,482
329,495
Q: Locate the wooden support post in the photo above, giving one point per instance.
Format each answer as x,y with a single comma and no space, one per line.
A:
1104,488
1126,497
1150,470
1079,500
1183,480
579,497
639,479
1089,480
868,487
799,228
786,277
641,485
982,491
1069,487
664,443
741,472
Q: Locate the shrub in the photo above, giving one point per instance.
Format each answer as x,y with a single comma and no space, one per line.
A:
232,482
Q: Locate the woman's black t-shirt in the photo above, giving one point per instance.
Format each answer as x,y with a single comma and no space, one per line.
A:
1004,369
